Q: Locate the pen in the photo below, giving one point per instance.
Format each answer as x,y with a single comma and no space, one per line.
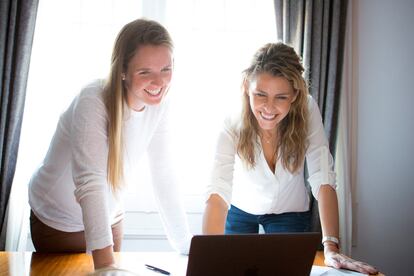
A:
159,270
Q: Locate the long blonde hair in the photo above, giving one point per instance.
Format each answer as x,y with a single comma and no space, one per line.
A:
133,35
279,60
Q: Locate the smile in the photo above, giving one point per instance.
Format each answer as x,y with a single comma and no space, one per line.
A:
153,92
268,117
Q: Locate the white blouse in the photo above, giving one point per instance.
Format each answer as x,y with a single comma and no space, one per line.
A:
258,190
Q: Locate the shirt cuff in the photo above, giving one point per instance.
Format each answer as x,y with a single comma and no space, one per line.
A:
225,195
318,179
98,243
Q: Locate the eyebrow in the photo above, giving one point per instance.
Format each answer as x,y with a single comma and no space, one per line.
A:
278,94
149,69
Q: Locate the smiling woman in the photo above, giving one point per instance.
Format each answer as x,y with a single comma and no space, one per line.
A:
270,101
148,76
75,194
71,46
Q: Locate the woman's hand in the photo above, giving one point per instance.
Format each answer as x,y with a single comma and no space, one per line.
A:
337,260
110,271
103,258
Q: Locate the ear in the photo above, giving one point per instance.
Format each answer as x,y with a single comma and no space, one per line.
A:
245,86
296,92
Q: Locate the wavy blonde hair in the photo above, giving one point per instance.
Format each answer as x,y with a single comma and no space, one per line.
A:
279,60
133,35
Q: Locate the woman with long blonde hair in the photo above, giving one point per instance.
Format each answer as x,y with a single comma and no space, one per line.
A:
75,194
258,174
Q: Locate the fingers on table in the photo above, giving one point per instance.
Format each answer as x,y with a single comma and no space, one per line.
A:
365,268
341,261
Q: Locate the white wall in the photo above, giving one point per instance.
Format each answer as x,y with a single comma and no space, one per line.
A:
384,190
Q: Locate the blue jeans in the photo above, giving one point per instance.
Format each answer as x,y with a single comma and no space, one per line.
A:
240,222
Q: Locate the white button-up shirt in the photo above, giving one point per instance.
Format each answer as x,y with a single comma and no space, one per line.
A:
260,191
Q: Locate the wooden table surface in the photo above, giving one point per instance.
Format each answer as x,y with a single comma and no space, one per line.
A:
38,264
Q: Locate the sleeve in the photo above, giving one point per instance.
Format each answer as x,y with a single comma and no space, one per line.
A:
221,181
167,191
318,158
89,169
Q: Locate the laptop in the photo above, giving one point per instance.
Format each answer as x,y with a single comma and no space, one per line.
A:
253,254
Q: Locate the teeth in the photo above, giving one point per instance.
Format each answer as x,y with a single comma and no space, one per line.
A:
153,92
267,116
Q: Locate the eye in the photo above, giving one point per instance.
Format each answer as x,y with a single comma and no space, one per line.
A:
259,94
143,73
282,97
166,69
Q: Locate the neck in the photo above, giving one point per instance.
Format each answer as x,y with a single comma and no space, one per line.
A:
268,133
134,103
137,107
268,136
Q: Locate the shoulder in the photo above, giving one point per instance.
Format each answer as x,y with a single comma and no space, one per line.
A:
92,94
313,107
93,90
232,124
229,130
311,102
89,103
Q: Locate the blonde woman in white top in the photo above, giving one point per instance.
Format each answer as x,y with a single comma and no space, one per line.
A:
258,174
75,194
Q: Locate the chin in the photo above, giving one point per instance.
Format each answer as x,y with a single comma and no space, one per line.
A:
154,101
267,125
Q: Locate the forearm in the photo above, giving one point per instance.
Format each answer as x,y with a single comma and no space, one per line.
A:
172,211
328,212
176,226
103,257
215,214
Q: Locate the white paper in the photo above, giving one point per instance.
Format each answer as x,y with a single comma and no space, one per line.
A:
329,271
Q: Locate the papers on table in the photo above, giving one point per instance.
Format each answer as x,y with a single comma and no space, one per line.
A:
329,271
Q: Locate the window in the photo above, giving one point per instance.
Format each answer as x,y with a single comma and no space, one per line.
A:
214,41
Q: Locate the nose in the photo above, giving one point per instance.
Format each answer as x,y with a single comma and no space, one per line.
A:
269,106
157,80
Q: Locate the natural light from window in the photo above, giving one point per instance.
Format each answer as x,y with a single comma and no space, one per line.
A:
214,41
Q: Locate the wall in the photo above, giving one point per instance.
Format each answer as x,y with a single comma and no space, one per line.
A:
383,40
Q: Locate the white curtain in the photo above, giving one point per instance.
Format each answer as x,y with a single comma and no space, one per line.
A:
346,144
18,218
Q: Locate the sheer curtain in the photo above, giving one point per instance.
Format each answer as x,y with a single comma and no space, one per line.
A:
345,161
214,41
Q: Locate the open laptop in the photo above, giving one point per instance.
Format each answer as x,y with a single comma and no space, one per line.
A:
253,254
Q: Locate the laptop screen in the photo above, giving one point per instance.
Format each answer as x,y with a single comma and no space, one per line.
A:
253,254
